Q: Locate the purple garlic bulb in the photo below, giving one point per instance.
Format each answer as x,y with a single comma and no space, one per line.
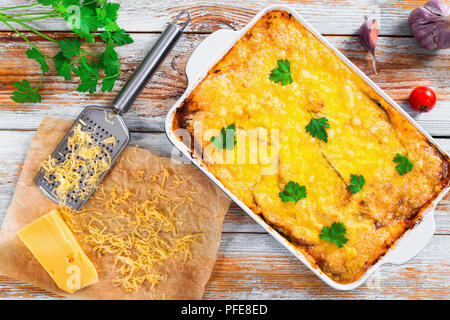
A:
431,24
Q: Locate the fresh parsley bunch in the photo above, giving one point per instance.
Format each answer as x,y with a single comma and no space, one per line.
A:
86,18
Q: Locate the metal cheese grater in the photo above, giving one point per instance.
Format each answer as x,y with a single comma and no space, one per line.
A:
104,122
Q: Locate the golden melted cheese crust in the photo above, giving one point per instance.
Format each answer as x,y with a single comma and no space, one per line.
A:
364,136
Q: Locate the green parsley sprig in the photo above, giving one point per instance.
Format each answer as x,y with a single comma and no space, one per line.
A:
226,139
335,234
85,18
356,183
404,165
25,92
282,73
316,128
293,192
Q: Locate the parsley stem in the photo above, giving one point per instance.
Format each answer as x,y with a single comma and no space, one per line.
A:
34,30
21,6
90,2
9,18
30,14
76,60
22,36
40,81
109,77
91,54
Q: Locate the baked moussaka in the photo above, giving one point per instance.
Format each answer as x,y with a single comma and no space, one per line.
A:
342,174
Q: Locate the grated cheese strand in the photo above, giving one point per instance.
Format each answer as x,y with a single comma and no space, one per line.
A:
110,140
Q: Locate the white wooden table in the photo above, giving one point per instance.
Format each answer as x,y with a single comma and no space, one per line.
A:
250,263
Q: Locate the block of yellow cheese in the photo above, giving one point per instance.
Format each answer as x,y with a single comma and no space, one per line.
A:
55,247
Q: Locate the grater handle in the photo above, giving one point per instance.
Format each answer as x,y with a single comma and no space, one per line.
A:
148,66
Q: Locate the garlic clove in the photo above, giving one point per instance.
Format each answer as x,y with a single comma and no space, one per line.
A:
368,35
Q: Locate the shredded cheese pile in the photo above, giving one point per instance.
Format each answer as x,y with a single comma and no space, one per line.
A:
139,234
80,168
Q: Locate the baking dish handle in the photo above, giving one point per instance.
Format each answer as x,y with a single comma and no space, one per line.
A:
413,241
207,51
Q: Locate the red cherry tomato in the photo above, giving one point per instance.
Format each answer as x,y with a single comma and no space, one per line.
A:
422,99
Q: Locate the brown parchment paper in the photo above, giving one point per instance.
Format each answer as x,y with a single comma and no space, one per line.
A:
205,214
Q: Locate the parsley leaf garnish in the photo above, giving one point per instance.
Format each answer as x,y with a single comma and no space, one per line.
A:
110,58
108,16
226,139
25,93
335,234
282,73
70,47
404,165
63,66
119,37
39,57
316,128
357,183
88,22
88,74
293,192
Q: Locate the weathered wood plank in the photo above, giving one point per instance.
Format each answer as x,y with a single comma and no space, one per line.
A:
254,266
12,289
328,17
403,66
14,146
268,271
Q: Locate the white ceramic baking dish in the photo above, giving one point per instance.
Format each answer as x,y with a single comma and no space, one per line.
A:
210,51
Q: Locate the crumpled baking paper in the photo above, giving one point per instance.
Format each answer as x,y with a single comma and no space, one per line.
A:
205,214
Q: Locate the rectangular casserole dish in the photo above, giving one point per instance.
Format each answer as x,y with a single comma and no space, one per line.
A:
212,50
